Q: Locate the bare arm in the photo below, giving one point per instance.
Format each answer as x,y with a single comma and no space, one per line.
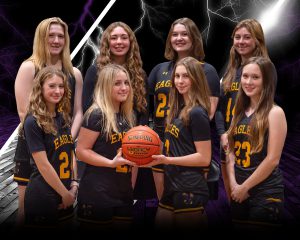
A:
230,161
77,110
86,141
51,177
23,87
213,106
201,158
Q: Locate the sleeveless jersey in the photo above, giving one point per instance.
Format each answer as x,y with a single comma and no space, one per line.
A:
246,163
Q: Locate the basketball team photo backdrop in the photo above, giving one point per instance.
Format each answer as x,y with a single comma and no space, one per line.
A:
151,21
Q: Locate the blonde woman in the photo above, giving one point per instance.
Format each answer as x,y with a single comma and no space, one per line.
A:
51,47
105,194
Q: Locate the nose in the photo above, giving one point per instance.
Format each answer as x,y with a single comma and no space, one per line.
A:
55,39
241,40
119,40
179,36
123,86
57,89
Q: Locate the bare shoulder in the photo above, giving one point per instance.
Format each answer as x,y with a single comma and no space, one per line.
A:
276,111
77,72
277,117
27,66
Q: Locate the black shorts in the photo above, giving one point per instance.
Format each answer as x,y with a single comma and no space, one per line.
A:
183,202
259,209
22,154
22,157
22,172
41,206
94,214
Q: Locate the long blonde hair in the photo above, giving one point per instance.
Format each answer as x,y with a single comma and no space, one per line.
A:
37,105
235,60
102,100
259,121
41,54
133,63
198,94
197,50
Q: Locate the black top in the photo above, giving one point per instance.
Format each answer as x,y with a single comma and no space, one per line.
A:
111,185
246,163
59,149
160,84
180,141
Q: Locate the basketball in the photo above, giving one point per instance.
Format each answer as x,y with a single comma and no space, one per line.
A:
139,144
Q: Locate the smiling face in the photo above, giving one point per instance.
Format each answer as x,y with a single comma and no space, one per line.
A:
56,39
182,81
120,90
180,40
252,81
53,91
119,43
244,43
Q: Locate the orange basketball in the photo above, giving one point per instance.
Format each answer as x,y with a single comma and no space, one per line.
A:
139,144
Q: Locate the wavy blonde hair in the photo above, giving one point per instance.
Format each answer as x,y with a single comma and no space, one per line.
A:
259,121
235,60
103,101
194,34
198,94
41,54
37,105
133,63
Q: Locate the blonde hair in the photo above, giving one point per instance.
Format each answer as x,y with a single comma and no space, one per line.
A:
133,63
103,101
38,107
197,50
259,121
198,94
235,60
41,54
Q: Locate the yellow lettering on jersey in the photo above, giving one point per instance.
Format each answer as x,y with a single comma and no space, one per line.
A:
234,86
165,83
116,137
242,129
173,130
63,139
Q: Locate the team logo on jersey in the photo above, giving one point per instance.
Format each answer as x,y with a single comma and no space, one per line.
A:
162,84
173,130
62,140
242,129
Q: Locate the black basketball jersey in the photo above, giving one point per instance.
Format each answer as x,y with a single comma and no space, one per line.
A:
111,185
179,141
160,84
246,163
59,149
228,99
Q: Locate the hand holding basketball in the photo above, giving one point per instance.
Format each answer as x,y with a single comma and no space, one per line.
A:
119,160
139,144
